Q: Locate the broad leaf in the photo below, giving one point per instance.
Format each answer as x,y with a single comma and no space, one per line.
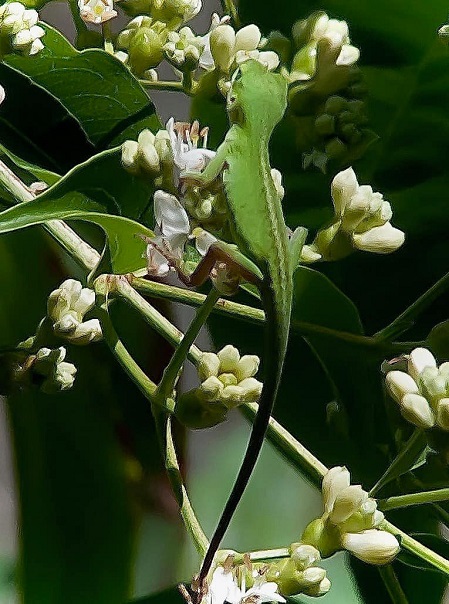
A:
75,78
126,248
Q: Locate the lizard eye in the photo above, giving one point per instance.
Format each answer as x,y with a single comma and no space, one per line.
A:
232,99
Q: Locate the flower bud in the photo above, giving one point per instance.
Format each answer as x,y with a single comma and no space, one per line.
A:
380,240
222,41
229,358
130,158
418,360
247,38
399,384
443,413
209,364
318,589
416,410
347,502
372,546
334,481
304,555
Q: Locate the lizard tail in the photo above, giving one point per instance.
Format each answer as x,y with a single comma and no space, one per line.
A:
275,348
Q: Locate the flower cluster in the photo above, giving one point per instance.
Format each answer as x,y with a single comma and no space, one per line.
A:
96,11
143,39
228,378
230,48
362,221
225,586
48,370
183,49
350,521
19,25
149,154
66,308
300,572
324,40
423,391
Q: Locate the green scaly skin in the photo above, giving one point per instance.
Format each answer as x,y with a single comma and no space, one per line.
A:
256,103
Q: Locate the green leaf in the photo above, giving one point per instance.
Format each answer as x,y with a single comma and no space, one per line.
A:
46,176
434,542
126,248
103,180
94,87
317,300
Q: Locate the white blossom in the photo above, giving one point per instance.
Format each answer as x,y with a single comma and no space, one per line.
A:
21,24
228,378
96,11
230,48
224,588
66,307
372,546
422,392
349,509
185,154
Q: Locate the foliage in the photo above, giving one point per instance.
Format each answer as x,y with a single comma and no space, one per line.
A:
91,463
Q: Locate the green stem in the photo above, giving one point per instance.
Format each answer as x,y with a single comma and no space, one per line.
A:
160,323
162,85
78,249
176,362
417,548
80,26
142,381
403,501
256,315
107,37
291,448
392,584
165,436
406,319
411,451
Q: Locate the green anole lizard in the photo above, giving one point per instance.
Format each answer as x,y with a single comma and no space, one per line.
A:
256,103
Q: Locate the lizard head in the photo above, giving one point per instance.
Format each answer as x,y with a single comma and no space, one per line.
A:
257,97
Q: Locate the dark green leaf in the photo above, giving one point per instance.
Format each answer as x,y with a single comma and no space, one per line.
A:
94,87
434,542
46,176
126,248
169,596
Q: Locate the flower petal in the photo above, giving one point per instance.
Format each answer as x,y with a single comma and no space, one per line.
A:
372,546
336,479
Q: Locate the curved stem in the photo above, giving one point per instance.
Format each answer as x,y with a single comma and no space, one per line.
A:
403,501
406,319
172,370
291,448
417,548
392,584
256,315
142,381
165,436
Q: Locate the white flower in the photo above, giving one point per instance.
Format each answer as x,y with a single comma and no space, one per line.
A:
334,481
372,546
172,230
2,94
230,48
66,307
50,364
183,46
206,60
261,591
349,509
96,11
224,588
423,392
185,154
228,378
28,40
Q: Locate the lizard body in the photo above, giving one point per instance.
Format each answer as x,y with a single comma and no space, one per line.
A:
256,103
